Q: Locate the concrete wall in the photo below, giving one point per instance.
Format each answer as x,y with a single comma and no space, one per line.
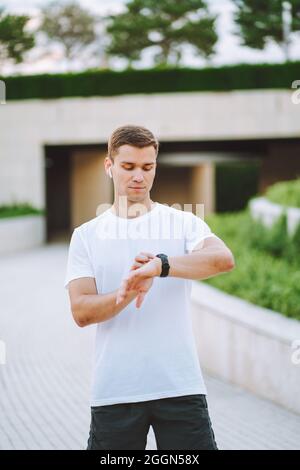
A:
26,126
247,345
22,232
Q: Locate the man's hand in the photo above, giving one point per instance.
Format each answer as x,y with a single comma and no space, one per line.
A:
144,282
140,278
141,259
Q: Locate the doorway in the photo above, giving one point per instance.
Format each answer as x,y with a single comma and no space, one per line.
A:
58,193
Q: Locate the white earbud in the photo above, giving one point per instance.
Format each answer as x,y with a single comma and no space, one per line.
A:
109,172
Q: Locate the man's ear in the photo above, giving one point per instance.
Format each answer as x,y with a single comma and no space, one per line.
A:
108,171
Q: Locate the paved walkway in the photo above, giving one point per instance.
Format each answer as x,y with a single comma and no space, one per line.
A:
44,385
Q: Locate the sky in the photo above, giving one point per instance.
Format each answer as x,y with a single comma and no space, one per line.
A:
228,50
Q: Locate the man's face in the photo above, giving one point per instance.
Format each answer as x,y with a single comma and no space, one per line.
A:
133,172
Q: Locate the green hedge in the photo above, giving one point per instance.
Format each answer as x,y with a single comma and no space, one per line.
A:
286,193
15,210
271,280
276,240
157,80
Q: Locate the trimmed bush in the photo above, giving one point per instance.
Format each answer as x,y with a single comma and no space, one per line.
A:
260,277
286,193
15,210
272,239
155,80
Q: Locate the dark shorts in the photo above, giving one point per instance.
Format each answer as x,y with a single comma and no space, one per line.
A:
178,423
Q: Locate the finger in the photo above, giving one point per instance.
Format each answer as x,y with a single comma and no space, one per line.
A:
144,257
141,258
149,255
136,265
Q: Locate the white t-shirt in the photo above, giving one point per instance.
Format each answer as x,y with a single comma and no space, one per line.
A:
146,353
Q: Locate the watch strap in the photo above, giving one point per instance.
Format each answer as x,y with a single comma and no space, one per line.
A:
165,265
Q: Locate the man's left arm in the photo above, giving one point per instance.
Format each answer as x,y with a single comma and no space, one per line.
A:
209,258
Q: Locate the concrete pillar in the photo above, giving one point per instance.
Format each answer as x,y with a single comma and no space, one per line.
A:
202,187
90,185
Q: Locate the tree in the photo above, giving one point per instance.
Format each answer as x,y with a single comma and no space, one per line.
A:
261,21
14,39
166,24
70,25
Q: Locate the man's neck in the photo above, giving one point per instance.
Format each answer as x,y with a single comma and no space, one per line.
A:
132,209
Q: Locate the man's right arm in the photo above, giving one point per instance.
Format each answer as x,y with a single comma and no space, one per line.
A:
89,307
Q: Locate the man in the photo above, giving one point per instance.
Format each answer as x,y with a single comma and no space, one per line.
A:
129,271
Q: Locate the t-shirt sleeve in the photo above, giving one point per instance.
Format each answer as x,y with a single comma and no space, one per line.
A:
79,263
196,231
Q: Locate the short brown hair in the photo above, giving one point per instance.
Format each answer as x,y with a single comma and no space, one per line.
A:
137,136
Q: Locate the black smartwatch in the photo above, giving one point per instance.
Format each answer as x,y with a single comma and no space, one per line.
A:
165,265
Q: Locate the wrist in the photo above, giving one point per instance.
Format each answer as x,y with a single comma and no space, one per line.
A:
158,263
